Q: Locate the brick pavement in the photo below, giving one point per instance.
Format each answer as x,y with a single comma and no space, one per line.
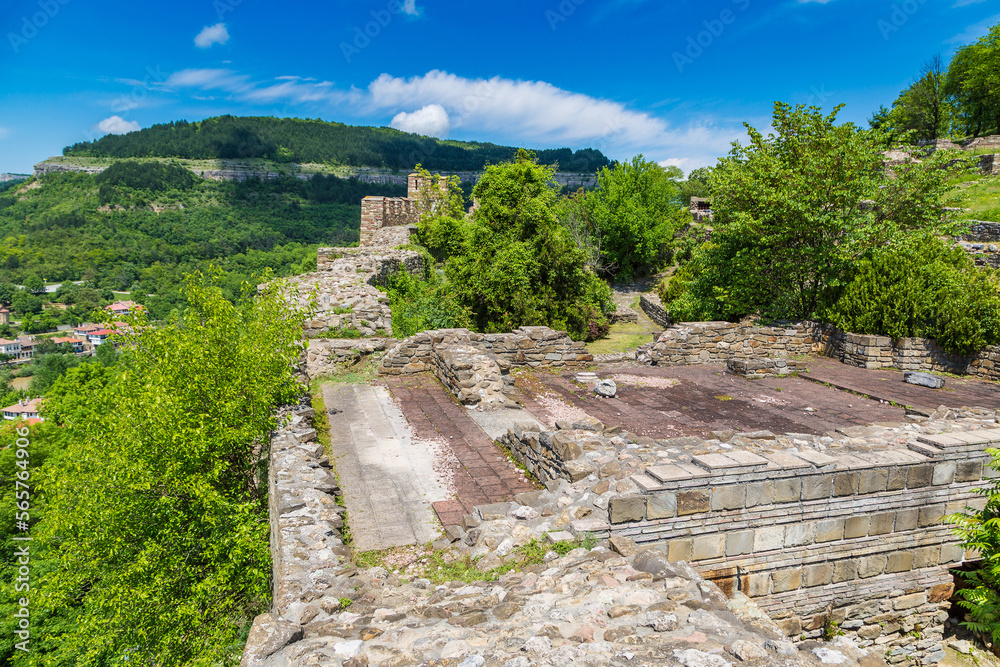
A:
888,385
483,474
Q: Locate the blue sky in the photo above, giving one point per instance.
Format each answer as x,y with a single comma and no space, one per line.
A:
673,80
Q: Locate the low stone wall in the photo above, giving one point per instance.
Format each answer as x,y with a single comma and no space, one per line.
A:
817,530
537,347
474,377
982,142
325,356
983,232
653,307
757,369
344,287
688,343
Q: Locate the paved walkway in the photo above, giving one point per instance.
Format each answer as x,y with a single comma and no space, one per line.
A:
388,476
481,474
888,385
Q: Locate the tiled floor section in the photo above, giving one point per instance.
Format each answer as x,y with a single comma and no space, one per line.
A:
708,399
888,385
484,475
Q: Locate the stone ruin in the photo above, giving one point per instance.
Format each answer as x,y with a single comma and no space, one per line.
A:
387,222
701,209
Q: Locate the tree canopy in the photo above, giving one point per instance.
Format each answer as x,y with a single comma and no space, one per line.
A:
303,140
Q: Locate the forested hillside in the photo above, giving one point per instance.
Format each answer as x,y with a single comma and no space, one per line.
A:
316,141
140,227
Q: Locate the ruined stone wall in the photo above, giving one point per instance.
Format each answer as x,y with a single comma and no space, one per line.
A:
474,377
989,165
537,347
653,307
850,535
983,232
380,212
982,142
345,292
688,343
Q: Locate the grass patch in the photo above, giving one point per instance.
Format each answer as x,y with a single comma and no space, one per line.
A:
339,332
724,397
441,566
622,337
981,196
362,372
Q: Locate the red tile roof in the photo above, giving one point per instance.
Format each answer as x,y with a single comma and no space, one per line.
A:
24,406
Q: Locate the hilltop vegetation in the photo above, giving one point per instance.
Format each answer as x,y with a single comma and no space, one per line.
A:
139,227
316,141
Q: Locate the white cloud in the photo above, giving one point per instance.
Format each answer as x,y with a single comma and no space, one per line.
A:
975,31
212,34
410,8
431,120
117,125
531,113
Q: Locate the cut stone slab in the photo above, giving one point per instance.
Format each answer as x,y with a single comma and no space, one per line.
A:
923,379
388,477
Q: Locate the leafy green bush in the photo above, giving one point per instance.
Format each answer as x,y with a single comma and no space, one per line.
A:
980,531
922,288
419,305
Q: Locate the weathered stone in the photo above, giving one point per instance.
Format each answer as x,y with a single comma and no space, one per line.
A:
268,634
606,388
627,508
923,379
662,505
693,502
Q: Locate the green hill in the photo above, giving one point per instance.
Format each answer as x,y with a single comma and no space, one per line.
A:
315,141
139,226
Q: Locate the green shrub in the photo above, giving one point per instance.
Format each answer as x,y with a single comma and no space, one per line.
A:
922,288
419,305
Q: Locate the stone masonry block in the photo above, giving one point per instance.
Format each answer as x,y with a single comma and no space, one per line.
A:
739,543
944,473
951,553
768,539
968,471
882,523
846,483
919,476
787,579
788,490
907,519
693,502
817,486
661,505
757,584
800,534
873,481
930,515
678,550
926,556
729,497
758,493
708,546
856,526
909,601
900,561
845,570
829,530
871,566
819,574
896,480
627,508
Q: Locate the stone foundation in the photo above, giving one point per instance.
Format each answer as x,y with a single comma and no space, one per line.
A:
687,343
821,532
474,377
536,347
757,369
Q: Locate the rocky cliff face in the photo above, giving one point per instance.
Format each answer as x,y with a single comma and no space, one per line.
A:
234,170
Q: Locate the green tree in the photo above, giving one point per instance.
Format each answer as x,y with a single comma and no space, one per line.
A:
7,291
34,284
26,302
637,209
923,108
157,509
794,213
518,265
48,368
973,84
